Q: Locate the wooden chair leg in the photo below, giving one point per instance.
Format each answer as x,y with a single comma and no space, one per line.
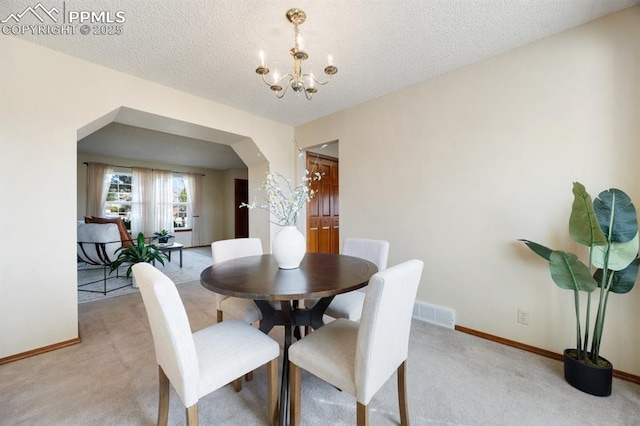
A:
272,392
295,393
402,394
307,330
219,316
249,376
192,415
163,398
237,384
362,415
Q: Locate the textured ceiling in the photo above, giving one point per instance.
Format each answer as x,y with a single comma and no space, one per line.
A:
210,48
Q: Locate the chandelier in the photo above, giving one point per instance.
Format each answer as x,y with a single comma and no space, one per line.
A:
297,80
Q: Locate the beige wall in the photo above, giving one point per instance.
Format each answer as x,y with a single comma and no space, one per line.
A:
46,98
453,170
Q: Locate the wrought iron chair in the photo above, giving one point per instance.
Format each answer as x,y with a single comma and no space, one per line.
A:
97,245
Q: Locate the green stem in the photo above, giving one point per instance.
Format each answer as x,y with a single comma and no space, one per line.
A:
586,325
576,297
599,326
604,288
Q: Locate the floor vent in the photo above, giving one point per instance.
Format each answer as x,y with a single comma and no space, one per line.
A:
433,314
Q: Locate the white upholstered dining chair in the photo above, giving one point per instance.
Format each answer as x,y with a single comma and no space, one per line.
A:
199,363
349,305
242,309
381,344
238,308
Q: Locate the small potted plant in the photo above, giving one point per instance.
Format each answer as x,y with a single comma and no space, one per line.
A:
608,226
163,237
137,253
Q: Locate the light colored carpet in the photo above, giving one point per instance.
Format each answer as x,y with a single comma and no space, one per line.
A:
194,260
453,379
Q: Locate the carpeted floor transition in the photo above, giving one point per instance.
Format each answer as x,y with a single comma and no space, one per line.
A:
453,379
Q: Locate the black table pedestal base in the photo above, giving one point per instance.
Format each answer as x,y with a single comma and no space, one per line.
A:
292,318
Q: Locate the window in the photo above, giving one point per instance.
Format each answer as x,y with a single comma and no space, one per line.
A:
180,205
119,198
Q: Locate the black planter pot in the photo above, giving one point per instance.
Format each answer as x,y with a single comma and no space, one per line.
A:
587,378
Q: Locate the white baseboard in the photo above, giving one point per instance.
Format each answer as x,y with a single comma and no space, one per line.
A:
438,315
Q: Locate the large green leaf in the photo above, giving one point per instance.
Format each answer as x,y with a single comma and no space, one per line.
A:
615,210
620,255
539,249
624,280
568,272
583,224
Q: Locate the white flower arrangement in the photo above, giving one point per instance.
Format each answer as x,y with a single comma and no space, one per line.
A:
282,200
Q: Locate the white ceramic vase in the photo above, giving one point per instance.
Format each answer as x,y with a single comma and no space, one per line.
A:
289,247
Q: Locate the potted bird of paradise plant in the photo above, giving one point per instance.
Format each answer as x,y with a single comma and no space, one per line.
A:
608,226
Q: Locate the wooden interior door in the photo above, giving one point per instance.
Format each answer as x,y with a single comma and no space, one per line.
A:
241,189
323,211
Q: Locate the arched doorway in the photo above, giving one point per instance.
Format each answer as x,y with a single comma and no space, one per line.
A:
219,224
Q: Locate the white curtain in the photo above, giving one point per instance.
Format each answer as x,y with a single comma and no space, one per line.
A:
193,185
142,208
162,204
98,181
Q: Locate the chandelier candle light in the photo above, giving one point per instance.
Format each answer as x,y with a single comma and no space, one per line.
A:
298,81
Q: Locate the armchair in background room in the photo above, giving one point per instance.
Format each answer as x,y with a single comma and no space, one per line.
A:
96,246
125,237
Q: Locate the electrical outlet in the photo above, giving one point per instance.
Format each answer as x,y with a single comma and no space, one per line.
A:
523,317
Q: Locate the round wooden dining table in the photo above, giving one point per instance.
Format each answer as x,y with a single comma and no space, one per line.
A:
320,276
